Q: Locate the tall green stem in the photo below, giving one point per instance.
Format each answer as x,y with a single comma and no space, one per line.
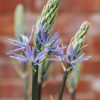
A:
39,91
35,84
62,85
46,19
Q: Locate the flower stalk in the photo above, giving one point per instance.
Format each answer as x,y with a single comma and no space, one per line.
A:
74,54
35,85
46,19
62,85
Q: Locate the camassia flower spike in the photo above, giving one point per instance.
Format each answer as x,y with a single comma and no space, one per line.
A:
51,44
72,60
21,42
29,56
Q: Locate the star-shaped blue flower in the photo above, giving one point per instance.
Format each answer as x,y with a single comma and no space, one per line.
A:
72,60
21,43
51,44
29,56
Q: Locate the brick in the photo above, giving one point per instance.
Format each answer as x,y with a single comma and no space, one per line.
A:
11,88
87,49
11,98
84,90
55,97
35,6
5,46
6,25
68,25
38,5
95,84
87,6
83,86
29,5
96,45
96,96
85,96
56,68
7,70
96,5
91,67
52,86
79,6
8,7
2,47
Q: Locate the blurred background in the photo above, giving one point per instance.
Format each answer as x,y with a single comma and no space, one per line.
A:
71,14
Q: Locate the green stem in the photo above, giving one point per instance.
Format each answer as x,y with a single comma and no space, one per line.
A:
39,91
62,85
35,84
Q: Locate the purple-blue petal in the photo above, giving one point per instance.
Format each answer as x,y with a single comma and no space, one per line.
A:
43,36
35,63
46,50
20,56
74,67
58,54
39,40
15,50
16,43
31,36
71,52
33,51
54,59
28,51
82,59
55,44
20,59
54,50
41,55
55,36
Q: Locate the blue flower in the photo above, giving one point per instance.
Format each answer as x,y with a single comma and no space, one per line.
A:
29,56
72,60
21,42
51,44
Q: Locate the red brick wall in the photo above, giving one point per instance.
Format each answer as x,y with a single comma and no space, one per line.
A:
71,14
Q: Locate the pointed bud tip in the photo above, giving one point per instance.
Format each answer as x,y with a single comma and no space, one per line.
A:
85,24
